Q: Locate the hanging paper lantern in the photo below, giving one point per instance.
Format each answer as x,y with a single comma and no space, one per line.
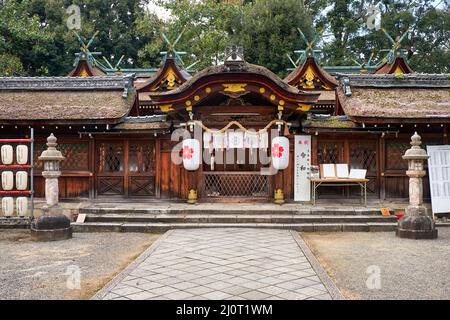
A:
191,154
21,180
22,154
8,206
7,180
7,154
280,153
22,206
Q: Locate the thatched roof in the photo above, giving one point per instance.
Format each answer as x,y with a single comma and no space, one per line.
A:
154,123
331,122
67,99
397,103
142,126
326,96
387,96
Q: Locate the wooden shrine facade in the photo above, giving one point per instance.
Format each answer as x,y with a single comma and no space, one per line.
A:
116,134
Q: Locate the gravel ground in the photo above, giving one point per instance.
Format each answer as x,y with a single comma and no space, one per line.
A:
409,269
37,270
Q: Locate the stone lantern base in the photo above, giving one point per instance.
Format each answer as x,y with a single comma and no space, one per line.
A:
52,227
416,226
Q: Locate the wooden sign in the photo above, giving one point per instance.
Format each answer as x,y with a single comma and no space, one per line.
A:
302,168
439,176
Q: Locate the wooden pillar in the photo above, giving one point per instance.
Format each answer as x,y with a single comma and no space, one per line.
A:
158,168
92,168
382,166
314,150
445,136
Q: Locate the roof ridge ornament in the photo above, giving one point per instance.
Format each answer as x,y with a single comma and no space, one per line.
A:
396,49
234,57
85,53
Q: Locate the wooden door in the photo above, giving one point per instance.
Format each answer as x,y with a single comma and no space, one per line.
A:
363,154
126,168
330,151
359,154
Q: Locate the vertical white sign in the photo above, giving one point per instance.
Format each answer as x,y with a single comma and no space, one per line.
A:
439,176
302,169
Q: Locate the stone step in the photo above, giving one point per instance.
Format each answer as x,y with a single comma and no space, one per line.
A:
163,227
279,218
226,211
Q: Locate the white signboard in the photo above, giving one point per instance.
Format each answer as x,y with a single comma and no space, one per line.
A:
439,176
302,184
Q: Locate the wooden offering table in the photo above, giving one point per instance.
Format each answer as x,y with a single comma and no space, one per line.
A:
336,182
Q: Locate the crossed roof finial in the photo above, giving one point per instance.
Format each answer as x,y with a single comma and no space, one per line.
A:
396,48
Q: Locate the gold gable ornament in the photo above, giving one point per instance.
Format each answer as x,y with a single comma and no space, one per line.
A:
234,87
309,78
166,108
84,73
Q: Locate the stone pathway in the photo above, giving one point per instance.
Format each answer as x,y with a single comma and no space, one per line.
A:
221,264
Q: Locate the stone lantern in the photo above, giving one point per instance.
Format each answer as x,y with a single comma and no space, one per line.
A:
53,224
416,224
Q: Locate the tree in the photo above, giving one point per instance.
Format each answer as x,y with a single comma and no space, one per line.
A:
269,33
427,42
23,43
114,20
207,27
266,29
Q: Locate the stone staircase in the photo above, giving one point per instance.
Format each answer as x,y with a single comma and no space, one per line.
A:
158,220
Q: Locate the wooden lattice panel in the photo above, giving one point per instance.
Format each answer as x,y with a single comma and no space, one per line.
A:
110,186
142,186
328,152
394,152
111,157
363,155
76,154
236,185
142,157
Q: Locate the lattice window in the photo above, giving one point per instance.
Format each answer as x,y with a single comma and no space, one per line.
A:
236,185
328,152
394,152
76,154
363,156
111,157
142,157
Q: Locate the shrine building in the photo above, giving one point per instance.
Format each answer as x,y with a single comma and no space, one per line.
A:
115,128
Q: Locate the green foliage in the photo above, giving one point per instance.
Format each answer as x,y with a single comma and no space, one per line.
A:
427,42
23,42
208,27
35,40
269,33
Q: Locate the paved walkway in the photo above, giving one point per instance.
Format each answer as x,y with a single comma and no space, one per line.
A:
218,264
